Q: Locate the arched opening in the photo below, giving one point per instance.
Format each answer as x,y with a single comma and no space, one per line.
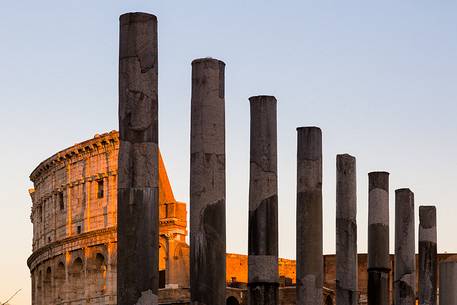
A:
48,286
76,279
100,273
328,300
232,301
39,290
59,280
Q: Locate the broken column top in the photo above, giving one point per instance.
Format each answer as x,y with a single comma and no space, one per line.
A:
136,17
427,215
262,98
311,149
207,60
379,179
427,223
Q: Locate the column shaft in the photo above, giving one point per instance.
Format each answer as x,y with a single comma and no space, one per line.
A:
138,212
448,283
263,275
309,264
378,238
207,183
405,261
346,231
427,255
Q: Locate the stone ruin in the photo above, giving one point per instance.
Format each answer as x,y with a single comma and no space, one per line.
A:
138,200
138,203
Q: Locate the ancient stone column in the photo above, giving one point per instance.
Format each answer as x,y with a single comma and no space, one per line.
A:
405,262
138,204
378,238
427,255
263,277
346,231
448,283
207,183
309,265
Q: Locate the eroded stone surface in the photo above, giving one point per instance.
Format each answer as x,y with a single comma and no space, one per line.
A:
346,231
207,183
309,216
263,274
378,238
147,298
428,258
138,194
405,265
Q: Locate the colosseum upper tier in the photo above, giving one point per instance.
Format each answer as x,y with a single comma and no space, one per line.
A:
74,226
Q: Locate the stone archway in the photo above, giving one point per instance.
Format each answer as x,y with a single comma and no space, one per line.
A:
100,273
47,283
59,281
76,277
232,301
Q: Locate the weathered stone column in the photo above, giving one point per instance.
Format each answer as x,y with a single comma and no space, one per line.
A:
448,283
378,238
428,258
309,265
346,231
405,262
138,197
263,276
207,183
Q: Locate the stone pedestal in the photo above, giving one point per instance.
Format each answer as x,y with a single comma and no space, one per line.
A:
378,238
309,264
207,183
346,231
263,278
428,259
138,202
405,262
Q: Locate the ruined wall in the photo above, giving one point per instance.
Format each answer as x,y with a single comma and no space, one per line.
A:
74,215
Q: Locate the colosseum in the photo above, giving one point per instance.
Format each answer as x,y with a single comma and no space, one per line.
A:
74,236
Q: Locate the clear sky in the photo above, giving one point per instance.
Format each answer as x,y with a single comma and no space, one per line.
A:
379,78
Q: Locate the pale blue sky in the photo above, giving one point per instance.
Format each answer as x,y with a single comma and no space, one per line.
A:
379,77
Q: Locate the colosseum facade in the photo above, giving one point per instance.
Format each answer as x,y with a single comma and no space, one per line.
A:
74,226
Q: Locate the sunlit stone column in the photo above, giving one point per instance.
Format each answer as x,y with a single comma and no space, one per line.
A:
346,231
138,212
207,183
428,258
448,283
263,277
405,262
309,264
378,238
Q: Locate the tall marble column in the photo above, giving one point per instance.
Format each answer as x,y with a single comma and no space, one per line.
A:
448,283
263,277
346,231
207,183
428,258
378,238
138,205
309,264
405,262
